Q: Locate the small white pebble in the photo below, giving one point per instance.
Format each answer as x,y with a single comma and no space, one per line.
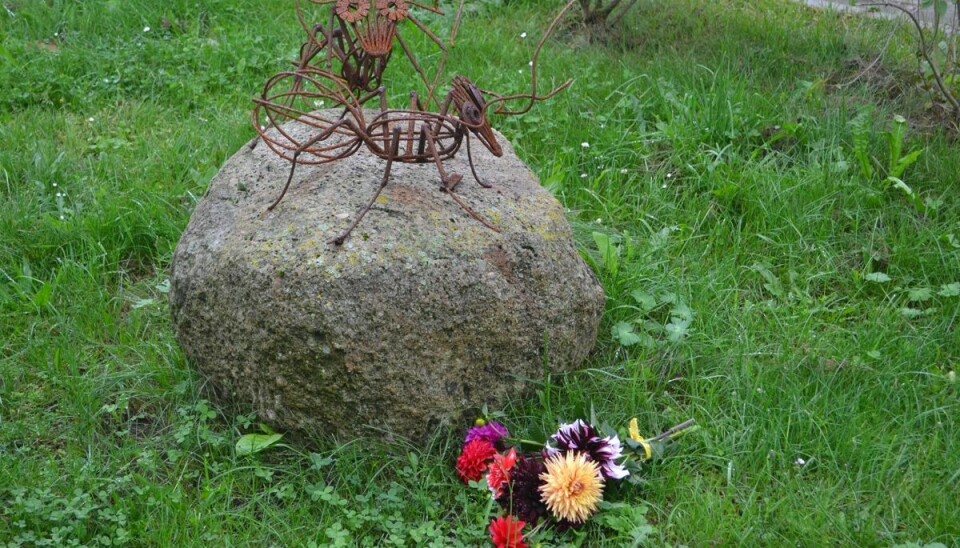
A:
585,144
91,120
523,35
62,217
583,175
800,462
146,29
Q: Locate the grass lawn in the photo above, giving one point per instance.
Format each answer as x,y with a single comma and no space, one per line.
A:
763,276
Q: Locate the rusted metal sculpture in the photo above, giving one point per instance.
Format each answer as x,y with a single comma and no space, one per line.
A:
413,135
360,36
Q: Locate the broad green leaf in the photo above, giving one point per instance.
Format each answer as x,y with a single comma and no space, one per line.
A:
877,277
646,301
908,312
609,250
140,303
949,290
682,311
248,444
319,462
899,184
677,329
920,294
940,8
43,295
624,333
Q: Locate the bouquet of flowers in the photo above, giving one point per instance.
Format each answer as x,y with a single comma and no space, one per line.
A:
563,483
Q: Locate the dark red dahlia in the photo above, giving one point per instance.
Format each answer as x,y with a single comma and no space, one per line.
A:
473,462
522,499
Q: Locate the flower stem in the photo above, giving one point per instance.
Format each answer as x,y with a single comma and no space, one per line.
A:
521,441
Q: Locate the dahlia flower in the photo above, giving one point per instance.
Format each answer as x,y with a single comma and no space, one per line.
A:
474,460
522,499
582,437
507,532
494,432
572,487
499,475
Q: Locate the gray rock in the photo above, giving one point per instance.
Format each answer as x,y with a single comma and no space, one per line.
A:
421,317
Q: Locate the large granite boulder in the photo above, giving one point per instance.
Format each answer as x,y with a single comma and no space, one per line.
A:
420,318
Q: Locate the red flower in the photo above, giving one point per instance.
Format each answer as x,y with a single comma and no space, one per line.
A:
499,475
474,460
507,532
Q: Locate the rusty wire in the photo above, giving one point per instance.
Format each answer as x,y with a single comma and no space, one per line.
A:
371,27
342,65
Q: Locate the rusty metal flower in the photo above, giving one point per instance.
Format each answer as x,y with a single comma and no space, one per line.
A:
352,11
395,10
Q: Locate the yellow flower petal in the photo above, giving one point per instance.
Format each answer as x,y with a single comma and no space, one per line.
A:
572,488
635,436
635,430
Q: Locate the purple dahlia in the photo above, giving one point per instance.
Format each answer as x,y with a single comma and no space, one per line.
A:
493,432
582,437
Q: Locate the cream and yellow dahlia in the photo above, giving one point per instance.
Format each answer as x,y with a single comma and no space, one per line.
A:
572,486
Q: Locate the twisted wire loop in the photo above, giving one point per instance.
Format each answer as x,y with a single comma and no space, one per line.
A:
443,130
315,88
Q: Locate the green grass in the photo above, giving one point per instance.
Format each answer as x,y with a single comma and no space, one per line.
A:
722,174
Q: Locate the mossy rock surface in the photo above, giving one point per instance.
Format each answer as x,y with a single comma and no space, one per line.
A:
420,318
